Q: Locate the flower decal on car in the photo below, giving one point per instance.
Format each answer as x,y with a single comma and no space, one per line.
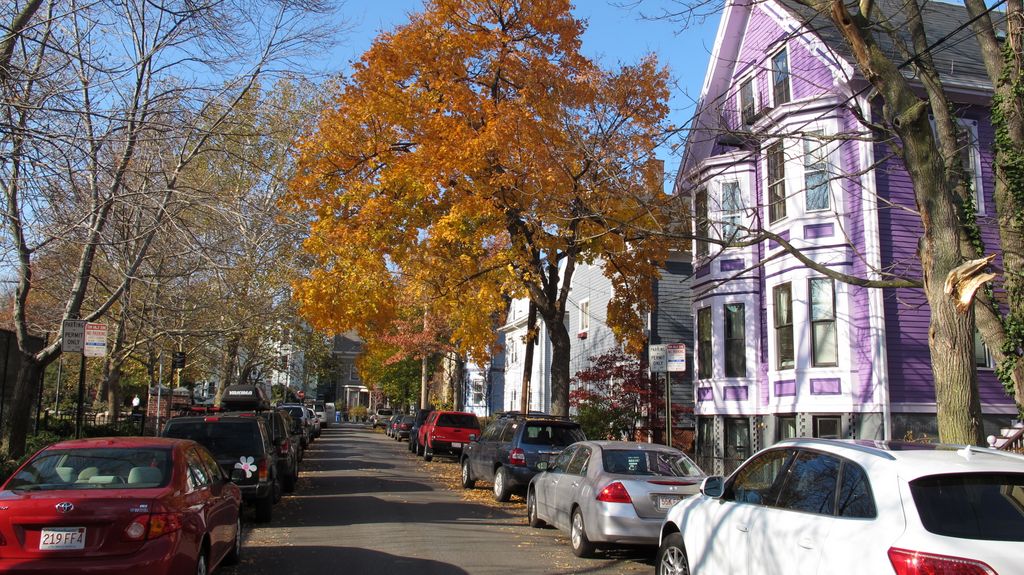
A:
245,463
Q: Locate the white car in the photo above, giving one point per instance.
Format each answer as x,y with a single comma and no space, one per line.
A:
817,506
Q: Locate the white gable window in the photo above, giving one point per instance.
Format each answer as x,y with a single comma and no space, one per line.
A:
748,107
816,174
780,77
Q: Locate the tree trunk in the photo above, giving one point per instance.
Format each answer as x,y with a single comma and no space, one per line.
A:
951,334
17,420
531,340
561,351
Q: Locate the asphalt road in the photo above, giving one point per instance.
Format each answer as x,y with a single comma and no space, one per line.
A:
364,504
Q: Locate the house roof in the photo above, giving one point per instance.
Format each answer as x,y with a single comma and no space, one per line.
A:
956,54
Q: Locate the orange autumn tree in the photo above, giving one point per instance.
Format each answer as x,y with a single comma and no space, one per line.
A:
476,155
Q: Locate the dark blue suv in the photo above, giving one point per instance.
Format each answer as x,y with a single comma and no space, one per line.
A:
509,449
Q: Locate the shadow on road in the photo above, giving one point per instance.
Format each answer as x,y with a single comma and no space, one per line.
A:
333,510
300,559
317,486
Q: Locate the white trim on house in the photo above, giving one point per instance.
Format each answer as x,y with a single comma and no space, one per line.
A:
873,259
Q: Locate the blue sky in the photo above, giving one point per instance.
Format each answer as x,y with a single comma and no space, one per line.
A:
614,35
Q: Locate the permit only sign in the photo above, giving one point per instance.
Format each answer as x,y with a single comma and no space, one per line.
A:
72,337
95,340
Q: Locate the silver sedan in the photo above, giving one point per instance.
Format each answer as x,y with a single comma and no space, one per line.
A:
613,492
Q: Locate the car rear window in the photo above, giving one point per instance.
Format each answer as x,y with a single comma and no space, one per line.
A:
458,420
556,434
985,506
648,462
296,411
222,438
101,468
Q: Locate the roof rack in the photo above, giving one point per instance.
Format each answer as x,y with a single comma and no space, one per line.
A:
533,415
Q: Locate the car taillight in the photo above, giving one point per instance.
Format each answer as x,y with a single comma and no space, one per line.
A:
614,493
907,562
517,457
152,526
284,447
210,419
263,470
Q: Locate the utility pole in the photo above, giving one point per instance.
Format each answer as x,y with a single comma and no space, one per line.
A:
531,340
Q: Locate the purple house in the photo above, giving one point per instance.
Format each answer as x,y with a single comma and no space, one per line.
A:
781,350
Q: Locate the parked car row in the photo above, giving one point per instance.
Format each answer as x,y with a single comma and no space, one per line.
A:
800,506
266,443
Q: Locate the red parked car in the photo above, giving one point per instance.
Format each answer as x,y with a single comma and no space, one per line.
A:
446,432
119,505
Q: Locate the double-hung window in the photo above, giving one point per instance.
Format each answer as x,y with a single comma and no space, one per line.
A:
816,174
584,316
967,147
704,343
700,209
982,357
776,182
780,77
825,349
735,340
747,108
784,352
732,210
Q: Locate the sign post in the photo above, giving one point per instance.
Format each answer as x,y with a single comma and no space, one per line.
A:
89,340
667,358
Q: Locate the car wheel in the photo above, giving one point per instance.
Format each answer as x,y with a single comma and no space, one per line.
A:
265,508
288,485
467,476
671,558
502,490
531,510
201,562
235,555
428,453
581,546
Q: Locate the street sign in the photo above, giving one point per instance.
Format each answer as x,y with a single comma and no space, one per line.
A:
657,357
72,335
95,340
676,356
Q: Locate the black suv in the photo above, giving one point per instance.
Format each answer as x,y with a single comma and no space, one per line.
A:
509,449
414,440
242,445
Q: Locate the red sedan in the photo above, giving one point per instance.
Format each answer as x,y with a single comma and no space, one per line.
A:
119,505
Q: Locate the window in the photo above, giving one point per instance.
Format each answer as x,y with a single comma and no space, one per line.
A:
976,506
827,426
783,298
982,357
732,210
737,441
584,316
855,499
816,175
562,461
747,109
967,146
578,465
735,340
786,427
700,210
776,183
780,78
759,480
704,343
825,351
353,373
810,484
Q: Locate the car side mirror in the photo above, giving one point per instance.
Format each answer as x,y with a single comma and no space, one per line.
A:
237,475
713,486
542,465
